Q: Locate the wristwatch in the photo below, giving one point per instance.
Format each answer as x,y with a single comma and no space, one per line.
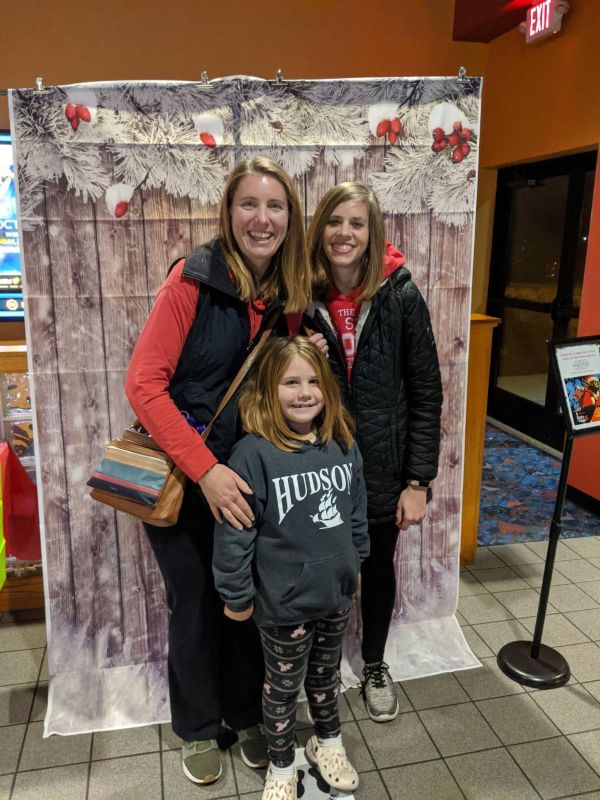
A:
417,484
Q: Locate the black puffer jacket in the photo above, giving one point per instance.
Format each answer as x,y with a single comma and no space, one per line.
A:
395,391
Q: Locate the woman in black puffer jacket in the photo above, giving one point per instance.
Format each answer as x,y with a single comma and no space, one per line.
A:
383,352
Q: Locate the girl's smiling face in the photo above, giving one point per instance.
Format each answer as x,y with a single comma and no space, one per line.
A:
259,219
300,396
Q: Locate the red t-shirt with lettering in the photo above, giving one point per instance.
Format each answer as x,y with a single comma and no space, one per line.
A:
345,309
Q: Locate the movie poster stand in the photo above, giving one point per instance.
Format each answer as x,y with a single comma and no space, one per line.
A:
576,365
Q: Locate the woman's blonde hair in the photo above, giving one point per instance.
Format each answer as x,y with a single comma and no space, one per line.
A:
371,268
259,406
288,275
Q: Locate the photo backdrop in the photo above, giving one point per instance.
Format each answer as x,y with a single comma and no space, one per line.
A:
115,182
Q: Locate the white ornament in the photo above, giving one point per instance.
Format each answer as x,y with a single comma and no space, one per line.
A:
444,115
211,125
116,194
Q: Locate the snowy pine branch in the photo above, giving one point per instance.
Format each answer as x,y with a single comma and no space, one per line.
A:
403,186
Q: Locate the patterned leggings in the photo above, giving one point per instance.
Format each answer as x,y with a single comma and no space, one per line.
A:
294,655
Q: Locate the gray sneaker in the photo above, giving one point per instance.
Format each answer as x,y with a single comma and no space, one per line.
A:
380,695
201,761
253,747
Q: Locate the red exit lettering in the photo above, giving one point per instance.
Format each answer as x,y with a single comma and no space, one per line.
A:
543,20
540,18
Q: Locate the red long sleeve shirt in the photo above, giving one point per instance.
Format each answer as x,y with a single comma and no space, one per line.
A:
153,364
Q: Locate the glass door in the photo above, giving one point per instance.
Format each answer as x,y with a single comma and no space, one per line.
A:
538,257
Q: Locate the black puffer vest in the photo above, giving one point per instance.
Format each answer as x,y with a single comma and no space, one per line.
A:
216,347
395,391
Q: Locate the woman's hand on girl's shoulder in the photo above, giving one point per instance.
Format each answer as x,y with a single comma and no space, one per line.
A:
411,508
320,341
223,489
239,616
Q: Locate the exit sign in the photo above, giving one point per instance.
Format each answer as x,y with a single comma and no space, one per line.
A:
544,19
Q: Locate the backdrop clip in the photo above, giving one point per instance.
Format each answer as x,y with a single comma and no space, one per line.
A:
39,86
204,78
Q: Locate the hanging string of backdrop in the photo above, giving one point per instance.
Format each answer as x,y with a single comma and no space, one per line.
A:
115,182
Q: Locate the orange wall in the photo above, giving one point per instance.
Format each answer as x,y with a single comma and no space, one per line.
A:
541,100
70,41
584,473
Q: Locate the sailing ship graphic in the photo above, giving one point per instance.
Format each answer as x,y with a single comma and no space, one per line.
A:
328,516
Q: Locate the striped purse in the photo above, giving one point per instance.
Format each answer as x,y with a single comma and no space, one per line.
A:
137,477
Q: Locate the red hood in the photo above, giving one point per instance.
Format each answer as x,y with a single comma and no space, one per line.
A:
392,260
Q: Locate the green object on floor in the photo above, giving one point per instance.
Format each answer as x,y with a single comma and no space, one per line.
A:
253,747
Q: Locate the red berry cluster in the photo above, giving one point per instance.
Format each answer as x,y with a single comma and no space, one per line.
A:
76,114
459,140
393,128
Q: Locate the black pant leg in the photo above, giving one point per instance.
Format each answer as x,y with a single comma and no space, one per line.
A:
378,590
242,673
184,556
202,670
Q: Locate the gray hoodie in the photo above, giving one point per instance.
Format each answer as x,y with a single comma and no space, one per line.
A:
300,561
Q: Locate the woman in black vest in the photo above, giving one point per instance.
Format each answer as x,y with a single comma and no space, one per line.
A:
382,349
208,314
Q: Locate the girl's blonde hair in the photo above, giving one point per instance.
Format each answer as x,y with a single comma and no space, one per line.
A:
259,406
288,275
371,269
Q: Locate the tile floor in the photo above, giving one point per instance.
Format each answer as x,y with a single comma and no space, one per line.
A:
472,734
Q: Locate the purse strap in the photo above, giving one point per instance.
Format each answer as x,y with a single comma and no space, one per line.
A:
243,371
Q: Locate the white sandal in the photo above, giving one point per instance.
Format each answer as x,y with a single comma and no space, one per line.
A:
278,788
333,764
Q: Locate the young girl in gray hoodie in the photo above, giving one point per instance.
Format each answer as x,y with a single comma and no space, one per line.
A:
296,569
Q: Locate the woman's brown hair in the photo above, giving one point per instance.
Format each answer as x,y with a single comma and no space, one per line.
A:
259,406
288,275
371,268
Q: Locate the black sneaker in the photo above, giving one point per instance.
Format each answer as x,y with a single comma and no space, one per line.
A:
379,692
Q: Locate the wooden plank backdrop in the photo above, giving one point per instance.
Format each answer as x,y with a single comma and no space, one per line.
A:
124,289
51,479
90,282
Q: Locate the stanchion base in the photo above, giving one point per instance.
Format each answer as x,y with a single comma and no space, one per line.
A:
549,671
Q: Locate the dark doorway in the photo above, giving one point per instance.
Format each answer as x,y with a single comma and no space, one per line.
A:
538,257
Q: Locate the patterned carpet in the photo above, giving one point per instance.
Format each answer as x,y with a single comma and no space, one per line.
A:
518,493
